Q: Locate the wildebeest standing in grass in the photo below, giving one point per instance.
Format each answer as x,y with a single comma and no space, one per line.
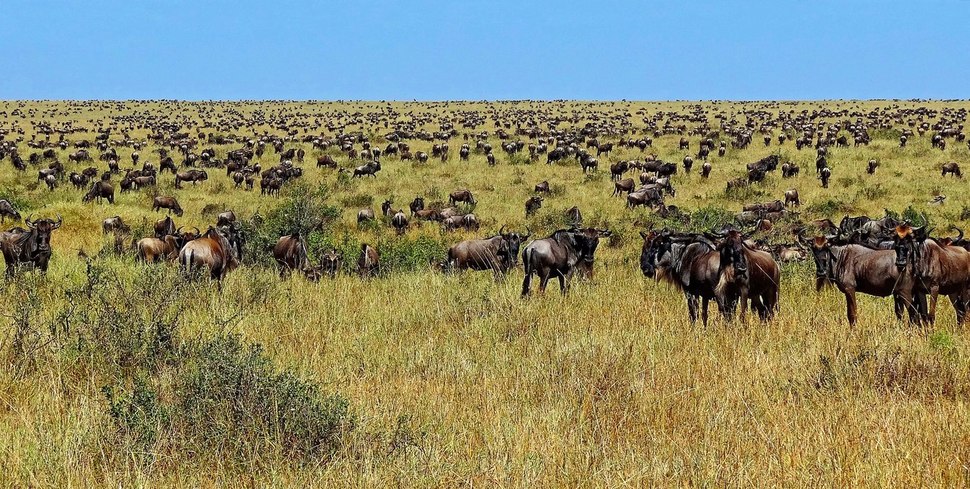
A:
33,246
559,255
368,263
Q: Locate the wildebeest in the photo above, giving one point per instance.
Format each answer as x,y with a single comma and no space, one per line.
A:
400,222
532,205
559,255
953,169
290,254
32,246
170,203
938,269
498,253
219,250
100,190
368,263
791,197
463,195
746,274
7,210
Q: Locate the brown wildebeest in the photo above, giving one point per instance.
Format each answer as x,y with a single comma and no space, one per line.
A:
32,246
746,274
532,205
290,254
7,210
170,203
938,269
114,225
463,195
791,197
100,190
542,187
953,169
688,262
855,268
368,263
226,218
498,253
400,222
151,250
559,256
219,250
626,185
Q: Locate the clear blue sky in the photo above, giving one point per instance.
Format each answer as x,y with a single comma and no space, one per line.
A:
435,50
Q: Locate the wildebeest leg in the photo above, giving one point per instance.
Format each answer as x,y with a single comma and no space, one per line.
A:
850,306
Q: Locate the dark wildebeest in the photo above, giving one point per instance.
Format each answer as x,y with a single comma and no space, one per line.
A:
463,195
542,187
953,169
226,218
688,262
825,176
290,254
498,253
626,185
416,205
559,256
532,205
7,210
938,269
219,250
32,246
746,274
791,197
856,268
400,222
170,203
151,250
368,263
100,190
114,225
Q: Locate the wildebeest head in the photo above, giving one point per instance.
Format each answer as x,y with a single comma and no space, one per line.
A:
42,229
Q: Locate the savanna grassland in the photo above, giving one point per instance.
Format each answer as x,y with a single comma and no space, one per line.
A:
120,373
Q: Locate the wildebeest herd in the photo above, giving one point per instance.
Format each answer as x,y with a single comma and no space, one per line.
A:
731,263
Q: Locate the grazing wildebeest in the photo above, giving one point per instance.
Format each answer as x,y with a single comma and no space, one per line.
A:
542,187
938,269
290,253
463,195
170,203
369,169
498,253
791,197
7,210
101,189
368,263
400,222
559,256
746,274
688,262
32,246
532,205
953,169
114,225
855,268
226,218
825,175
626,185
151,250
219,250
